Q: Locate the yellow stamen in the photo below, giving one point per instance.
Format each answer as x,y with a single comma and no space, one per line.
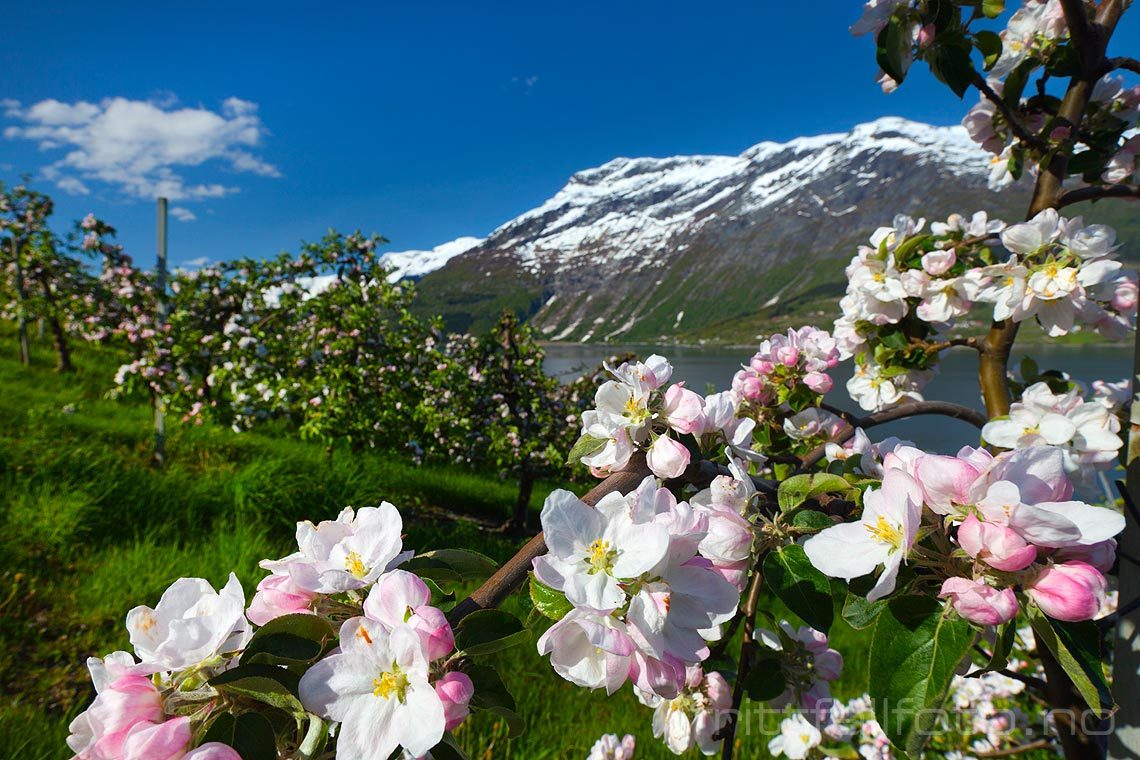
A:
355,565
391,682
601,556
885,532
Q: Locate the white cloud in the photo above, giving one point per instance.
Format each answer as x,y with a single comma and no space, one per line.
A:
141,146
182,214
199,262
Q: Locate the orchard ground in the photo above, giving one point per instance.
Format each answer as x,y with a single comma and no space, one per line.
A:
91,529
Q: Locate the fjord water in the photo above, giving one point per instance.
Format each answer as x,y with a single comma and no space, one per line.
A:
956,380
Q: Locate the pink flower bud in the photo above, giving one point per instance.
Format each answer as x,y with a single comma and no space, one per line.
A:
978,602
684,410
926,36
434,631
1070,591
789,356
161,741
1124,296
820,382
121,705
761,366
996,545
278,595
667,458
1060,133
939,262
455,690
718,691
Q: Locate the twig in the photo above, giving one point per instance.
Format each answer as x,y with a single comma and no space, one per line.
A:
944,408
970,342
1015,125
1032,746
728,733
500,585
1122,62
1096,192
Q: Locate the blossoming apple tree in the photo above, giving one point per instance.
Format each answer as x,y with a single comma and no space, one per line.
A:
973,576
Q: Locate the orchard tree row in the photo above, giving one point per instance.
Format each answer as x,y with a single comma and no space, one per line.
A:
323,342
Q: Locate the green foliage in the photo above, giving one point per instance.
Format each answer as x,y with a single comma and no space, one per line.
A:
797,583
916,647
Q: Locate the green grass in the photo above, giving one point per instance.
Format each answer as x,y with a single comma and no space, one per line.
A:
89,529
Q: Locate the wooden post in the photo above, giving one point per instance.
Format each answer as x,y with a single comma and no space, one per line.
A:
160,321
21,297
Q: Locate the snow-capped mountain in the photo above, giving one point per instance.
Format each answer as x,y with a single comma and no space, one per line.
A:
704,246
415,264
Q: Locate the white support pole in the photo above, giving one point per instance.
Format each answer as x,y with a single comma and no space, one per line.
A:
160,319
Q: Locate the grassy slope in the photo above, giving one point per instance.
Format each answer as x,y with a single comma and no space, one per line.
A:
88,529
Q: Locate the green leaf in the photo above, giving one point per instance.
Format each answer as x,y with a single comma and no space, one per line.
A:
950,62
289,640
989,45
486,631
268,684
797,489
890,47
1003,645
1077,647
250,734
467,564
584,447
316,738
811,521
805,590
448,749
859,613
491,694
992,8
549,602
915,649
766,680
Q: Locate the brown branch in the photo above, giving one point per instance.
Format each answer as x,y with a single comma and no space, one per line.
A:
1019,749
1015,124
903,411
971,342
507,578
1122,62
1096,192
747,644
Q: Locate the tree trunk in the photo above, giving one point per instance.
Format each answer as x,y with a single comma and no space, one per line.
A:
522,503
62,352
21,297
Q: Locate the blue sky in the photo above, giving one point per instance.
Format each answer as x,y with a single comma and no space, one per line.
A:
425,121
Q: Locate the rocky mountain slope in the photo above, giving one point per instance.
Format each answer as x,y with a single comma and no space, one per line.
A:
710,247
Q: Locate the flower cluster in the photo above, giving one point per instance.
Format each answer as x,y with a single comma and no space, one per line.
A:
909,286
784,363
610,747
808,664
993,527
693,717
390,678
1086,432
645,599
636,411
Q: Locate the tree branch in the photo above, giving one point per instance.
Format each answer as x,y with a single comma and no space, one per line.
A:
903,411
1096,192
1019,749
1015,124
507,578
748,613
1122,62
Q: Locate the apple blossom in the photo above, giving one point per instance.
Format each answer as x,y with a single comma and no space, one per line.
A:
278,595
348,553
589,649
377,688
882,536
609,747
191,624
796,739
400,598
